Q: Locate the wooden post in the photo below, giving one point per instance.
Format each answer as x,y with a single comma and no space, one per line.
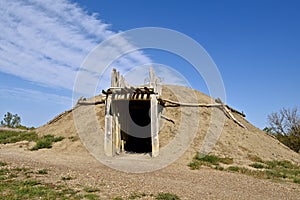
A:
117,133
108,147
152,78
154,126
114,78
154,83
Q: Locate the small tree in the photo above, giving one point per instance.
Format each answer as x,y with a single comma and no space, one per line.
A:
285,125
11,120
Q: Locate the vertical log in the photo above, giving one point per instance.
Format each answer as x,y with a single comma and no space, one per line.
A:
114,78
108,128
154,126
154,82
152,78
117,135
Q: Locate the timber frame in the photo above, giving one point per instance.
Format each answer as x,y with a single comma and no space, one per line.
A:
116,121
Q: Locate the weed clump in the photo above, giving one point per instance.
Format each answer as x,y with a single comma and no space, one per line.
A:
166,196
209,160
7,137
274,169
257,165
46,142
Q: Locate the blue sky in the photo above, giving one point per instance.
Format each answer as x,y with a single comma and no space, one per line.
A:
255,45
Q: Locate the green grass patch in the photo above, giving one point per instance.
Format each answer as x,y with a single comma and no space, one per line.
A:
296,180
166,196
195,164
3,171
275,169
42,171
281,164
15,185
233,168
46,142
25,127
32,189
218,167
159,196
117,198
91,196
7,137
136,195
2,164
208,160
21,169
257,165
24,188
91,189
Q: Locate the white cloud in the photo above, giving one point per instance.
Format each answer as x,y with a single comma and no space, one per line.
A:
34,96
46,41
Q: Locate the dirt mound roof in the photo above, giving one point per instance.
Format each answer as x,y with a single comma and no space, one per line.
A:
227,137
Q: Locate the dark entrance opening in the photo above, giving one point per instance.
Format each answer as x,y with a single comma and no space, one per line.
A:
136,126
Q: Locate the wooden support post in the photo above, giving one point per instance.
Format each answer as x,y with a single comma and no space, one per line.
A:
117,135
154,126
154,82
108,147
114,78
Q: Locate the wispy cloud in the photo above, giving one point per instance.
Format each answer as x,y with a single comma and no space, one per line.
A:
46,41
34,96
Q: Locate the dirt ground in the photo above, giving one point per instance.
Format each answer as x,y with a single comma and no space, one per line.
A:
193,130
187,184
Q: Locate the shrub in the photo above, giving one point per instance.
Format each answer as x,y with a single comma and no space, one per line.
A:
46,142
42,144
195,164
